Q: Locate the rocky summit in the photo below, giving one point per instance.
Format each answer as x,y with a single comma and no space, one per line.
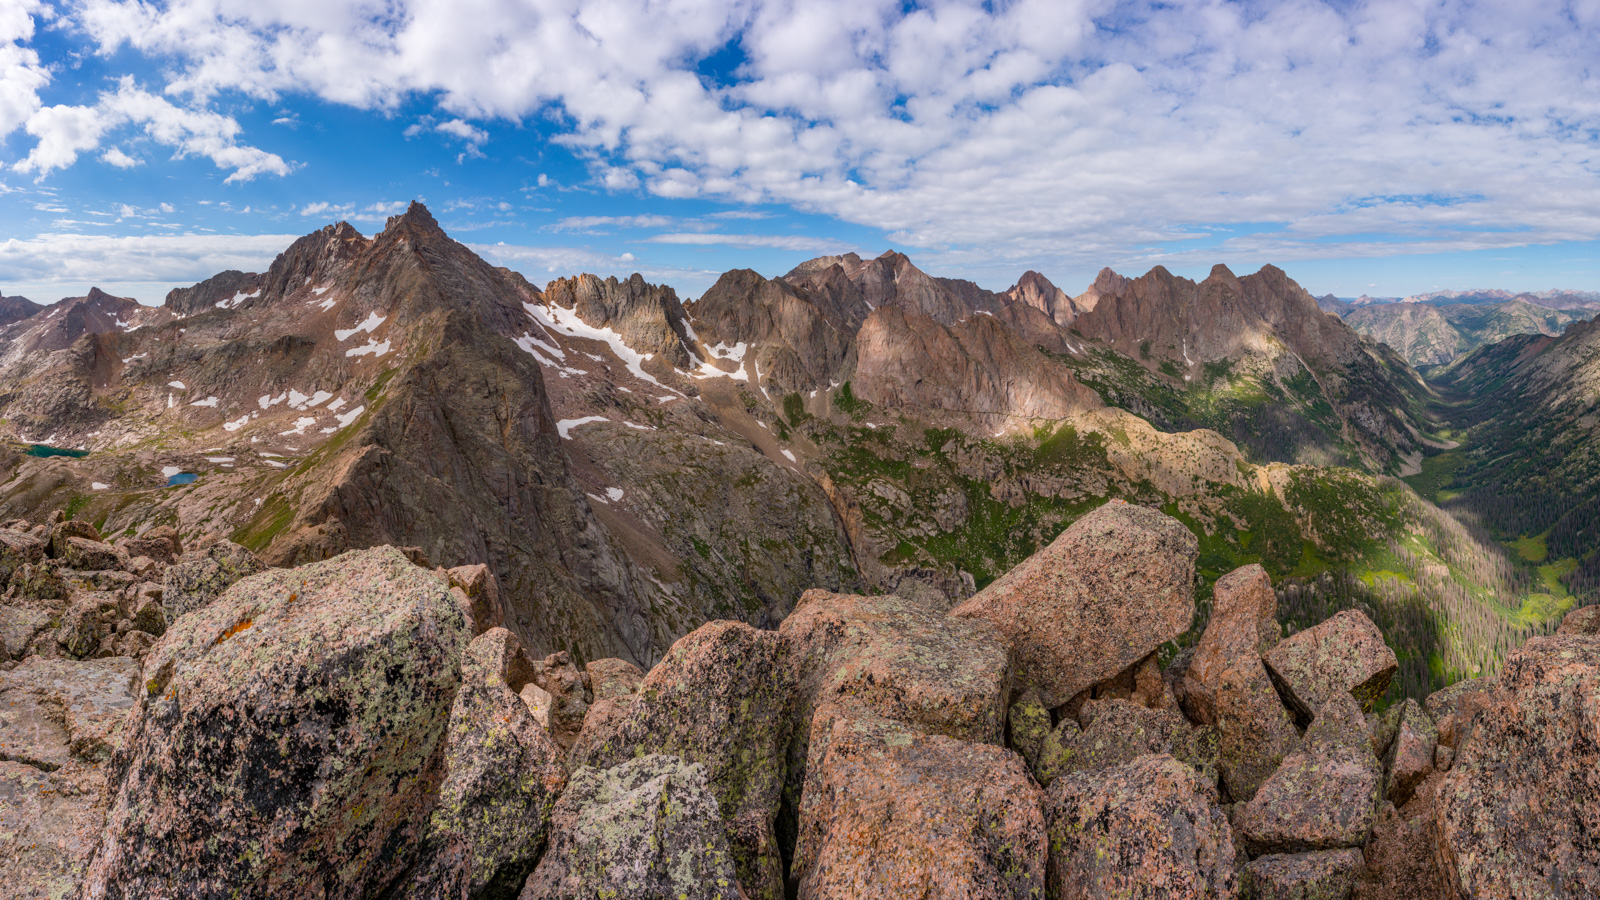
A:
385,573
208,725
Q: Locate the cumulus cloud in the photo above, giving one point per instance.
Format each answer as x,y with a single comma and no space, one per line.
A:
21,74
353,212
117,158
64,132
795,243
146,266
982,131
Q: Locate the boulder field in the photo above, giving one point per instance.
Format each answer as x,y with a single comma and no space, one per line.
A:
191,723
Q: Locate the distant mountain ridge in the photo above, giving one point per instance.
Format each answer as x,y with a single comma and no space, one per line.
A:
630,465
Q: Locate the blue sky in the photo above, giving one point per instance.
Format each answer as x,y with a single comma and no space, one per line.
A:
1386,147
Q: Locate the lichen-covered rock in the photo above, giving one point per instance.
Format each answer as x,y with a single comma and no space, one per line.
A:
1149,828
161,544
148,616
82,627
645,830
1241,628
1112,588
1114,732
482,590
890,811
1455,708
1027,727
1585,620
63,532
899,659
55,709
91,556
18,627
503,774
722,697
1400,860
1344,654
200,576
1324,796
569,696
40,581
288,741
1256,733
613,679
17,549
1517,811
49,822
1410,756
1325,875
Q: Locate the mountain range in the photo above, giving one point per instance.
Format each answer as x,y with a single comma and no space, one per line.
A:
1436,329
388,573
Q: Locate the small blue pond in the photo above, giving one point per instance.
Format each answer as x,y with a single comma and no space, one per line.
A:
45,451
182,478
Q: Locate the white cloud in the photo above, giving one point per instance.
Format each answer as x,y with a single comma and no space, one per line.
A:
590,223
457,128
372,212
21,75
1035,129
121,160
64,132
796,243
146,266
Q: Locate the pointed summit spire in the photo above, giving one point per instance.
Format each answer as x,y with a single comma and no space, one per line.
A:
415,218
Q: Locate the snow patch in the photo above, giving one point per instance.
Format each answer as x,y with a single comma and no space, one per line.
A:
371,346
238,423
369,324
169,471
300,425
350,416
614,493
565,426
177,384
789,456
209,402
275,464
566,321
100,487
336,405
236,299
640,427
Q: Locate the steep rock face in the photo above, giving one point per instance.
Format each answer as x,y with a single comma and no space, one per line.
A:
648,317
1111,589
800,341
1264,317
1035,290
459,455
289,740
892,280
224,290
1515,812
894,812
1122,831
982,370
317,259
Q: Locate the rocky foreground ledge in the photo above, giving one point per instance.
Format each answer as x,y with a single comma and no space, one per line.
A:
192,724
